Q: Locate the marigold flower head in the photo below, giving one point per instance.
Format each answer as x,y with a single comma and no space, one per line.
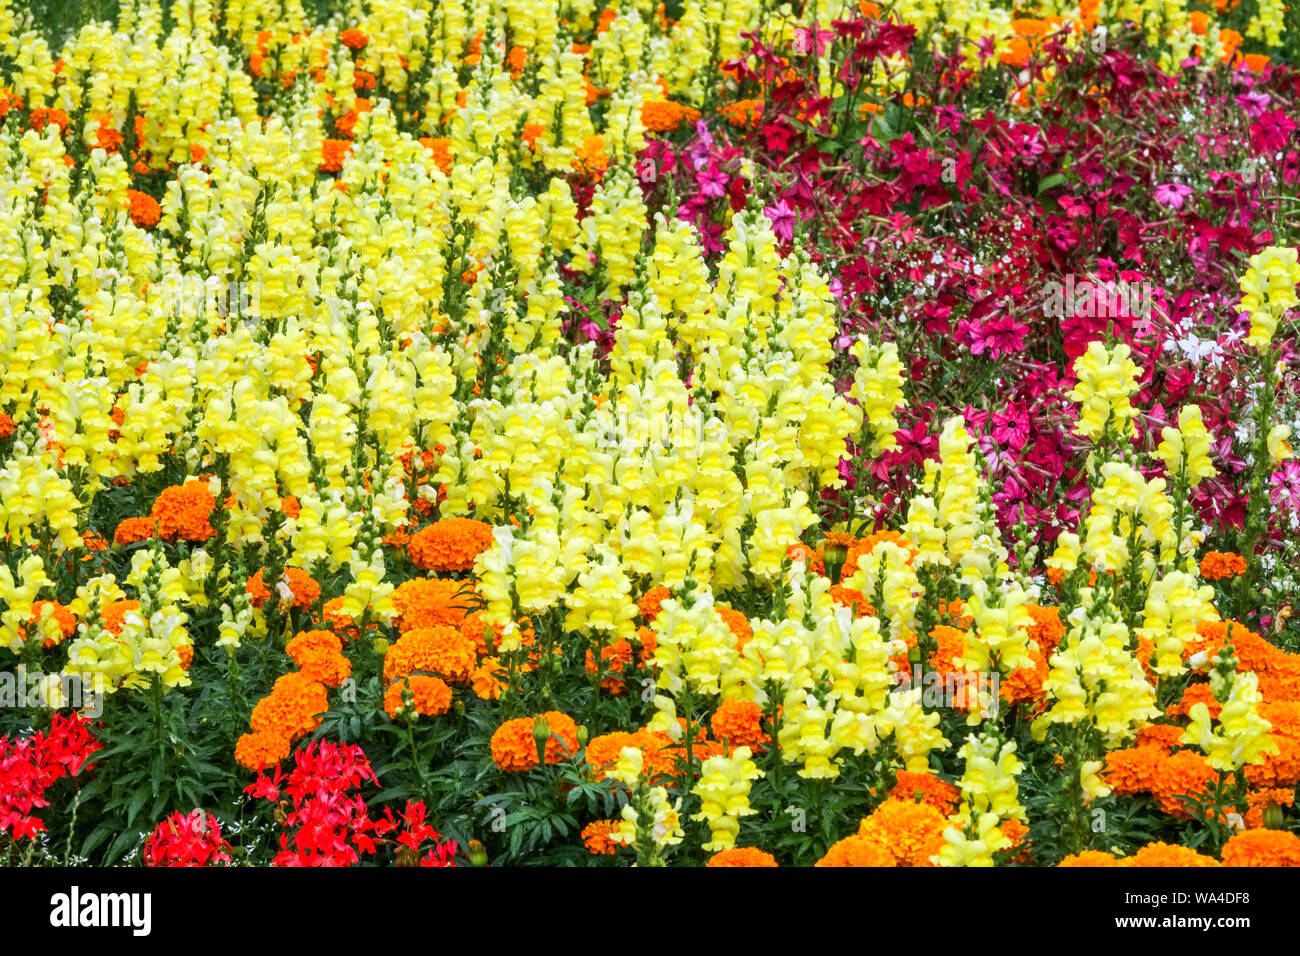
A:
488,679
430,696
257,751
739,723
514,748
911,831
928,789
319,655
737,623
131,530
857,850
1047,629
1261,800
440,147
1091,858
1177,776
1262,848
1168,855
451,544
1281,769
1167,737
853,598
742,856
613,657
743,113
333,152
433,602
651,602
354,39
1222,565
113,616
182,512
597,837
293,709
664,116
441,650
144,209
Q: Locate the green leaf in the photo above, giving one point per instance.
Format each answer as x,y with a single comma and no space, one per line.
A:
1051,182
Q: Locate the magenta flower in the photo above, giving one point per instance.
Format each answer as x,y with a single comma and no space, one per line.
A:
781,216
1172,195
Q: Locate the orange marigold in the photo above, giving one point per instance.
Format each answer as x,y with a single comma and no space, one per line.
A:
614,657
590,158
144,209
332,154
739,723
743,112
912,832
441,650
864,546
515,749
114,615
926,788
1178,775
1132,770
1222,565
354,39
663,116
1261,800
182,512
1090,858
131,530
293,709
1262,848
440,147
857,850
451,544
742,856
433,602
651,602
853,598
597,837
737,623
1281,769
256,751
1047,629
1166,854
319,655
430,696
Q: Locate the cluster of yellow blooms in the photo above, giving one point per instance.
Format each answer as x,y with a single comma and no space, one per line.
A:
403,348
723,788
989,798
1268,290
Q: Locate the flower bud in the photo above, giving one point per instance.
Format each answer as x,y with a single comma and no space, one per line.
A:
477,853
541,734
